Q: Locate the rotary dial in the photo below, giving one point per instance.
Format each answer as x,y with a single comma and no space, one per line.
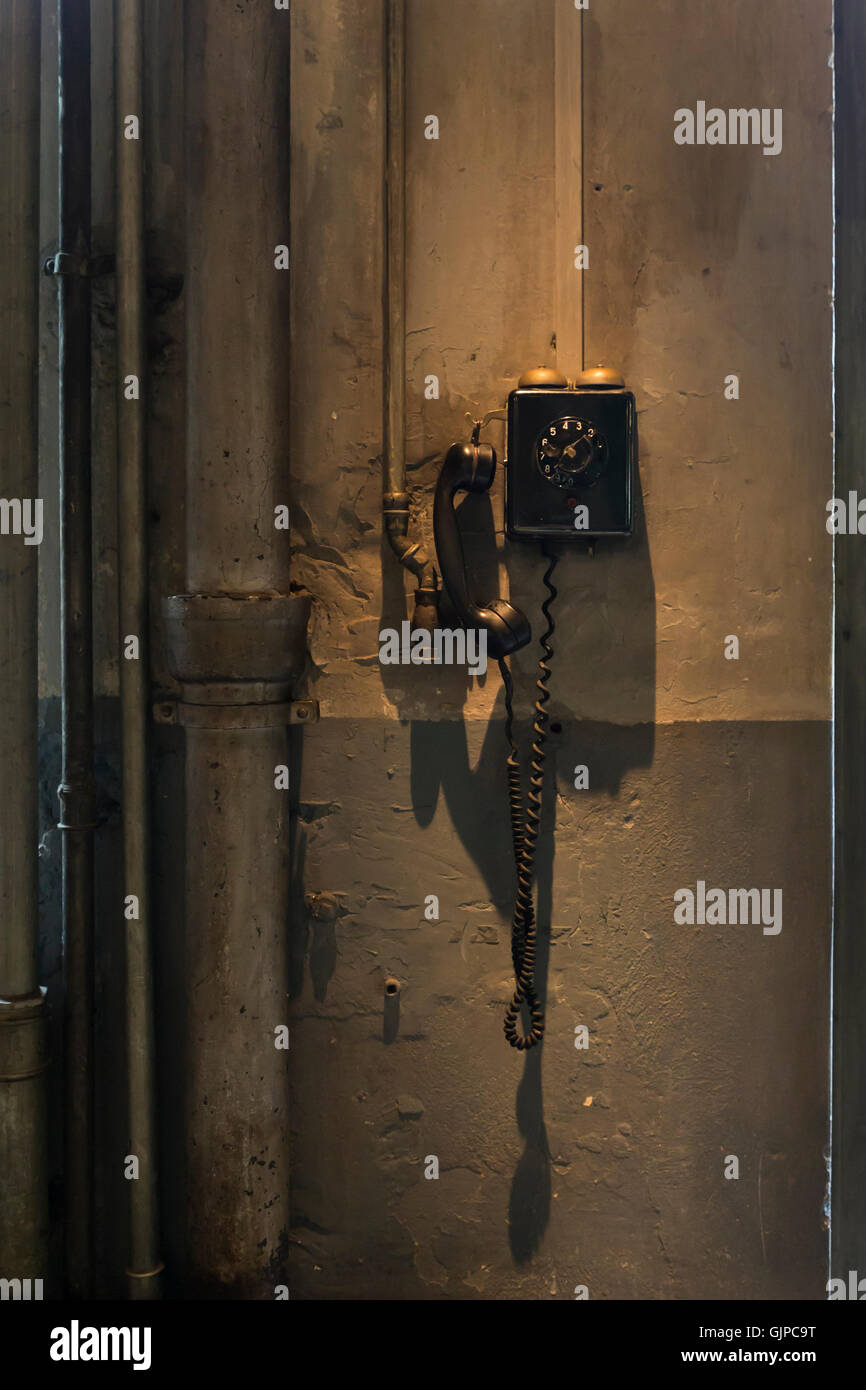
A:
570,453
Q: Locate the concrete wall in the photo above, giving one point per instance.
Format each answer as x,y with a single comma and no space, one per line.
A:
602,1167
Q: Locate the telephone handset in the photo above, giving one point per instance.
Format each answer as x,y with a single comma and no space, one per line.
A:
472,468
569,477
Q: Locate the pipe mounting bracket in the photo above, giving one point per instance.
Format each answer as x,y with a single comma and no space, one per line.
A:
242,716
73,263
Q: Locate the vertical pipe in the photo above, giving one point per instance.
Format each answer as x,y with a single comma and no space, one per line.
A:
568,184
231,638
237,301
23,1217
395,252
237,928
395,498
144,1263
76,791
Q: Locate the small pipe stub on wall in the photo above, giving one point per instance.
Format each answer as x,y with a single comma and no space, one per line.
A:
391,1009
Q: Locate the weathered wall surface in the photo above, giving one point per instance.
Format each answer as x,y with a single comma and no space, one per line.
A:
704,261
602,1167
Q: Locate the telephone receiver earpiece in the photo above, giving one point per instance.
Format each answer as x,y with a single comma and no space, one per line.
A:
472,468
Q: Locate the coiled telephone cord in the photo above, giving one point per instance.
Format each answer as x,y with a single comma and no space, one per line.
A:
525,824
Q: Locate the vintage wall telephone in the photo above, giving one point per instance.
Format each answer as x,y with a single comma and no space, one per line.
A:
569,479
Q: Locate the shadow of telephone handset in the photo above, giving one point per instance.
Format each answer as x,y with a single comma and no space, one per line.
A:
570,466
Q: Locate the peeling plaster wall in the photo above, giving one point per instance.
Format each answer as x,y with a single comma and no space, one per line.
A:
704,261
601,1167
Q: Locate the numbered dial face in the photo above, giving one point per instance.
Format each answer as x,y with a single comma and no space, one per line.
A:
570,453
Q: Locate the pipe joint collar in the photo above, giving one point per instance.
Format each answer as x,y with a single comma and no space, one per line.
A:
236,648
23,1036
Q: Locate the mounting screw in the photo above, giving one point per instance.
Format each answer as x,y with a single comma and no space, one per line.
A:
165,712
303,712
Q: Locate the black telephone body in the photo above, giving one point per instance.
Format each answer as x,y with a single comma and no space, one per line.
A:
569,474
569,477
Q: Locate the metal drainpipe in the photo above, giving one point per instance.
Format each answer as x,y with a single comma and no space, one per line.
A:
395,500
144,1263
237,640
23,1214
76,791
